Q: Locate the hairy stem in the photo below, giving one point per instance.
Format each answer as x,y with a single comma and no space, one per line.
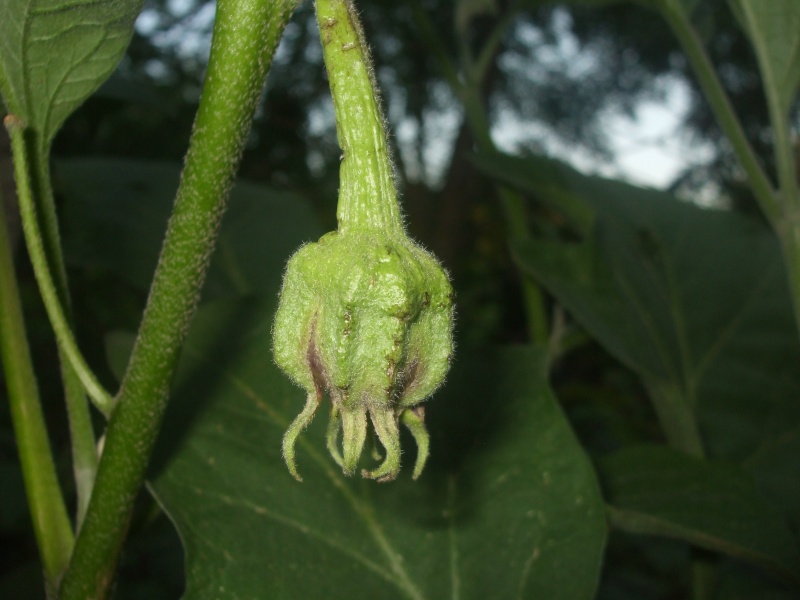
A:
246,33
364,202
45,501
82,436
47,287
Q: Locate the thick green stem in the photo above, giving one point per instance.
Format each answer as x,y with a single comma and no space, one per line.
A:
246,33
45,501
47,287
365,202
675,14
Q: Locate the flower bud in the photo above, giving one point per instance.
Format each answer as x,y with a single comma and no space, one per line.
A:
365,315
367,320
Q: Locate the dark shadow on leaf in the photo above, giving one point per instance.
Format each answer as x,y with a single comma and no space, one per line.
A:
208,353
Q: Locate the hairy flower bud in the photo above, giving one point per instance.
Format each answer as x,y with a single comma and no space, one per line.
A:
365,319
365,315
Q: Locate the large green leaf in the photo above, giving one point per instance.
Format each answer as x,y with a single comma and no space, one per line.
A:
508,506
55,53
547,180
773,27
116,214
693,300
714,505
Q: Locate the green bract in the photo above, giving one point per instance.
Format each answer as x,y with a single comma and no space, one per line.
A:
365,314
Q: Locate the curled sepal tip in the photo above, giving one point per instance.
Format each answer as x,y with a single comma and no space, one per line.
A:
414,420
334,428
290,437
385,424
354,433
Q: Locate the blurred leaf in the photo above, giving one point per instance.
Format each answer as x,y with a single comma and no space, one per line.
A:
737,581
774,464
695,302
116,215
692,300
508,506
55,53
548,181
688,5
714,505
669,288
774,30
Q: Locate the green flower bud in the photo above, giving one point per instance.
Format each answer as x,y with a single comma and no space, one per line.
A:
365,314
365,319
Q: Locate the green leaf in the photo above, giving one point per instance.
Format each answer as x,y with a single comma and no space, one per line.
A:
711,504
692,300
695,302
548,181
507,507
55,53
774,30
116,214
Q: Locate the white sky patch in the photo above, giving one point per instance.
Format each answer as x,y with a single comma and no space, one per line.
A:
649,148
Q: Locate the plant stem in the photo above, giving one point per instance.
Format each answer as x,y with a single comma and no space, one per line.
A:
677,418
36,249
779,120
782,208
788,229
246,33
364,201
675,14
82,438
488,53
49,514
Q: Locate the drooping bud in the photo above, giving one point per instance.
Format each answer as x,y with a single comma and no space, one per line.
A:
365,315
